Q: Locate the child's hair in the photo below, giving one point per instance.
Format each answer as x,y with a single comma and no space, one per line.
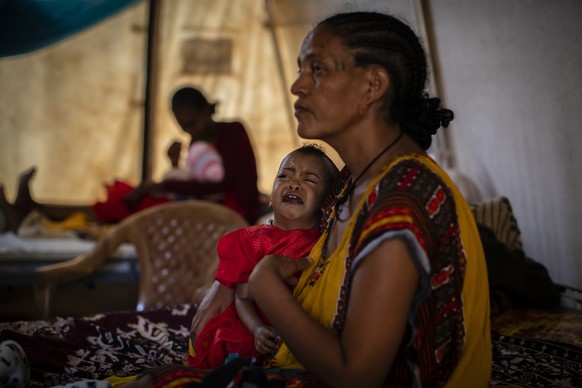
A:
333,179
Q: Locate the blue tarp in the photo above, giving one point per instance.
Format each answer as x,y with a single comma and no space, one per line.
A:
28,25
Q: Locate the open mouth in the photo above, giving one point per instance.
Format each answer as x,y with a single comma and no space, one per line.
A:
292,198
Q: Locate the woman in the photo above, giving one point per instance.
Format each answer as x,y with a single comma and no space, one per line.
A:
395,292
238,188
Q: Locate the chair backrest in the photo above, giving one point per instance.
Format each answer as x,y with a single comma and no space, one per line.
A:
176,248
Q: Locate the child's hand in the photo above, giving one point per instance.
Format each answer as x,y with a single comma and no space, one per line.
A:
174,152
266,340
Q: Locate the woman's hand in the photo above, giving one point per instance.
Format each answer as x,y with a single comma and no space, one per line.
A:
266,340
274,267
217,299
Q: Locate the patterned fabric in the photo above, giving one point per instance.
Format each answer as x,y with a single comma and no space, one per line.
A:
62,351
532,363
414,200
557,325
238,372
497,214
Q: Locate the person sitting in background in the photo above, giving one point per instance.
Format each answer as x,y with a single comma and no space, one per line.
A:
238,188
231,181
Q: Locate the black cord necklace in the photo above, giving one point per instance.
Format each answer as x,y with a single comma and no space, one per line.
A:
343,198
349,191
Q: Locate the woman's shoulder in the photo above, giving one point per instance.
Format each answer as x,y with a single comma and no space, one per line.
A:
415,180
412,172
232,133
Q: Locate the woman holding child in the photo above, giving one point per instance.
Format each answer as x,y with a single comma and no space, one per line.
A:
395,291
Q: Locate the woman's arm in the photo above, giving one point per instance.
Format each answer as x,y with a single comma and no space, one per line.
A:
265,337
380,298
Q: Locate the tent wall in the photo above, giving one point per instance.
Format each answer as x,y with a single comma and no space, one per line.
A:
75,109
510,72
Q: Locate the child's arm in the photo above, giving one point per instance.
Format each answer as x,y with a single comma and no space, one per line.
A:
266,338
174,152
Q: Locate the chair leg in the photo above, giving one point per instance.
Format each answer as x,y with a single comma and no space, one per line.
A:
43,295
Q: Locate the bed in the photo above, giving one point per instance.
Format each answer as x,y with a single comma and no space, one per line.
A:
20,256
532,346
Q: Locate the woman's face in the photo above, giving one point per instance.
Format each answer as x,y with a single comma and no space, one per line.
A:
191,120
298,191
329,87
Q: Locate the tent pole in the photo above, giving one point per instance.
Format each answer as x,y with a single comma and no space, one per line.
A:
150,88
277,48
426,25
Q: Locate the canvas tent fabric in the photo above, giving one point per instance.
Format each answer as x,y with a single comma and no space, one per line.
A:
75,108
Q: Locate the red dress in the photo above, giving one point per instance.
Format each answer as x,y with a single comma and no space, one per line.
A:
239,252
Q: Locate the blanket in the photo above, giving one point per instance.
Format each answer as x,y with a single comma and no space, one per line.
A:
64,350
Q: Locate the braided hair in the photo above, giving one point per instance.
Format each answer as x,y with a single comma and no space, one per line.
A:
381,39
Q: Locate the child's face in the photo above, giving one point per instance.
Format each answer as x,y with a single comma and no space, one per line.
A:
298,192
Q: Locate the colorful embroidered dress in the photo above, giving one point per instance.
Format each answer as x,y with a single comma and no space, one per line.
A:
448,336
239,252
